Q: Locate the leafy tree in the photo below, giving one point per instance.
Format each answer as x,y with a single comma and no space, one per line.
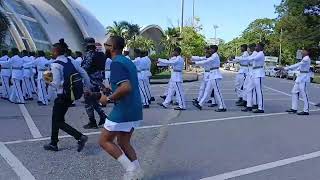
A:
192,42
171,39
117,29
142,43
4,25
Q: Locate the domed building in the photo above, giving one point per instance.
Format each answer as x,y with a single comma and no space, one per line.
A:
37,24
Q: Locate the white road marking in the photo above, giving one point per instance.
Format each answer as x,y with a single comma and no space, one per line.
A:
22,172
31,125
284,93
263,167
159,126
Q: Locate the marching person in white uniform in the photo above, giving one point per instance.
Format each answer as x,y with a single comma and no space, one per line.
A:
206,78
16,64
5,75
318,62
33,73
301,84
27,73
42,65
138,61
250,93
176,80
214,82
258,75
242,75
147,74
78,59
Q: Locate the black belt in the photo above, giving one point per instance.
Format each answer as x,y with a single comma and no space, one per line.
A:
27,68
4,68
215,68
177,71
42,69
304,71
107,69
244,65
207,71
257,67
16,68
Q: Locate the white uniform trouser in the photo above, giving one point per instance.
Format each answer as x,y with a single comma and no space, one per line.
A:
143,93
107,78
215,85
27,87
239,84
175,87
300,89
16,95
257,87
51,93
146,83
42,91
33,84
201,89
5,89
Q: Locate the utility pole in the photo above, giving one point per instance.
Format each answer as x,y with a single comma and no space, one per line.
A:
215,32
193,20
182,15
280,54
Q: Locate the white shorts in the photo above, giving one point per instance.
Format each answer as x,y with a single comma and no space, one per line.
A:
120,127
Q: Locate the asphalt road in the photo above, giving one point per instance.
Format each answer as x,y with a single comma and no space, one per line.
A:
174,145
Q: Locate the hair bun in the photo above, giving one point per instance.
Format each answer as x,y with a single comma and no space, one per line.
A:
61,41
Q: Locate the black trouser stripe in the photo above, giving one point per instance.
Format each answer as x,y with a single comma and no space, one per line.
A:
261,93
219,93
305,91
180,94
145,99
245,77
26,84
148,88
145,89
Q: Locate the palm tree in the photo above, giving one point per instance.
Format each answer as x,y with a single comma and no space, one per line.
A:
4,25
130,30
171,39
117,29
142,43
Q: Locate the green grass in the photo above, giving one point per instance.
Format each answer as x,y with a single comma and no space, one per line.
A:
316,79
162,75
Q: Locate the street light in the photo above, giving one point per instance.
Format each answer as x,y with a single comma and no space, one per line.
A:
193,13
182,15
215,32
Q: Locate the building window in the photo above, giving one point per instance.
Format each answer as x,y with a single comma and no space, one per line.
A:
43,46
41,15
35,30
19,7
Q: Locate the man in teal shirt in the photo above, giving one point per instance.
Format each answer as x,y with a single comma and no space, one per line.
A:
127,112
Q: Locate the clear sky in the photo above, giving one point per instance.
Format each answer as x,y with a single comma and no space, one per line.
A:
232,16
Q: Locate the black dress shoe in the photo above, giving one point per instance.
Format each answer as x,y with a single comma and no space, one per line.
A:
163,97
50,147
242,103
152,99
197,105
318,105
220,110
146,106
91,125
4,98
213,105
160,104
31,99
175,104
19,103
73,105
210,101
255,107
291,111
82,142
239,101
258,111
247,109
179,109
303,114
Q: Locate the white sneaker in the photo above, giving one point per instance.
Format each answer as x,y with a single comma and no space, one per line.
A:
134,175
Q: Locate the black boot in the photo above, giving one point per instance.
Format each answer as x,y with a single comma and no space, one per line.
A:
50,147
82,142
91,125
291,111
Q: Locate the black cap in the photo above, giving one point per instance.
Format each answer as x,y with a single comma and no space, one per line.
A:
89,41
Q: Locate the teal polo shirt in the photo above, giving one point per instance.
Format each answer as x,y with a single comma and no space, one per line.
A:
128,108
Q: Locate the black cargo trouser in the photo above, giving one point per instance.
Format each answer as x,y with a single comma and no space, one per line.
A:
60,108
